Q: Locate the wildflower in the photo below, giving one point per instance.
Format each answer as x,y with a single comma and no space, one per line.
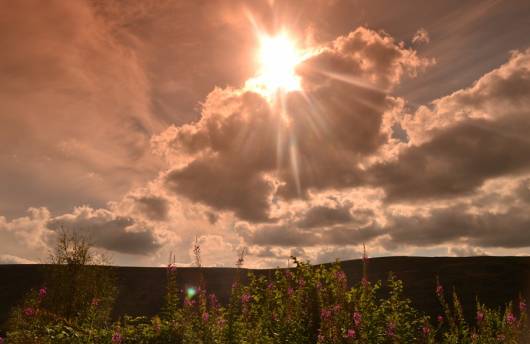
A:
301,283
221,322
42,292
350,333
439,290
94,302
440,319
189,303
205,317
365,282
325,314
426,330
319,285
320,338
213,301
341,277
510,319
270,286
245,298
357,317
116,337
391,329
1,340
29,312
336,308
290,291
474,337
171,267
522,306
501,337
480,316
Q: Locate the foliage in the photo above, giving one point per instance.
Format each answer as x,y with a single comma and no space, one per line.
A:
305,304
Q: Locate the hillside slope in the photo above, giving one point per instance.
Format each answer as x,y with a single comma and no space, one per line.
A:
494,280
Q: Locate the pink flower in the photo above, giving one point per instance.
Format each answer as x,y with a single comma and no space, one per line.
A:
94,302
319,285
522,306
391,329
440,319
439,290
336,308
205,317
357,317
340,276
501,337
325,314
480,316
116,337
42,292
213,301
189,303
320,338
350,333
171,268
510,319
29,312
290,291
365,282
426,330
245,298
270,285
1,340
301,283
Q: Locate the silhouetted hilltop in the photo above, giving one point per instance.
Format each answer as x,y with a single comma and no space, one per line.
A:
494,280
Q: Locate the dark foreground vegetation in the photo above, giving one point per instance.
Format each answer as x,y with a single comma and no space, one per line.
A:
305,304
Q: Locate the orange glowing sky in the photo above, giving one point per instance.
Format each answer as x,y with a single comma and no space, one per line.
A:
304,127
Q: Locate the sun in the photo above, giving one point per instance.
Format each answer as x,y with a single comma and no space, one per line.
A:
277,57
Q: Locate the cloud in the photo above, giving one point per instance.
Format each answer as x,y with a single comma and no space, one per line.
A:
154,208
243,153
215,251
27,236
320,216
109,231
75,120
421,37
9,259
469,137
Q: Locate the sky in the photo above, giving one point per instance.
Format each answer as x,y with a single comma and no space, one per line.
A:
146,126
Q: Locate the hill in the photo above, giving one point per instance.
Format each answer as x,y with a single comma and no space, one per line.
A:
494,280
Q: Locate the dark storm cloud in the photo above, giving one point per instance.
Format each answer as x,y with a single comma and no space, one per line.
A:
508,229
469,137
109,231
457,160
230,157
289,235
154,208
320,216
